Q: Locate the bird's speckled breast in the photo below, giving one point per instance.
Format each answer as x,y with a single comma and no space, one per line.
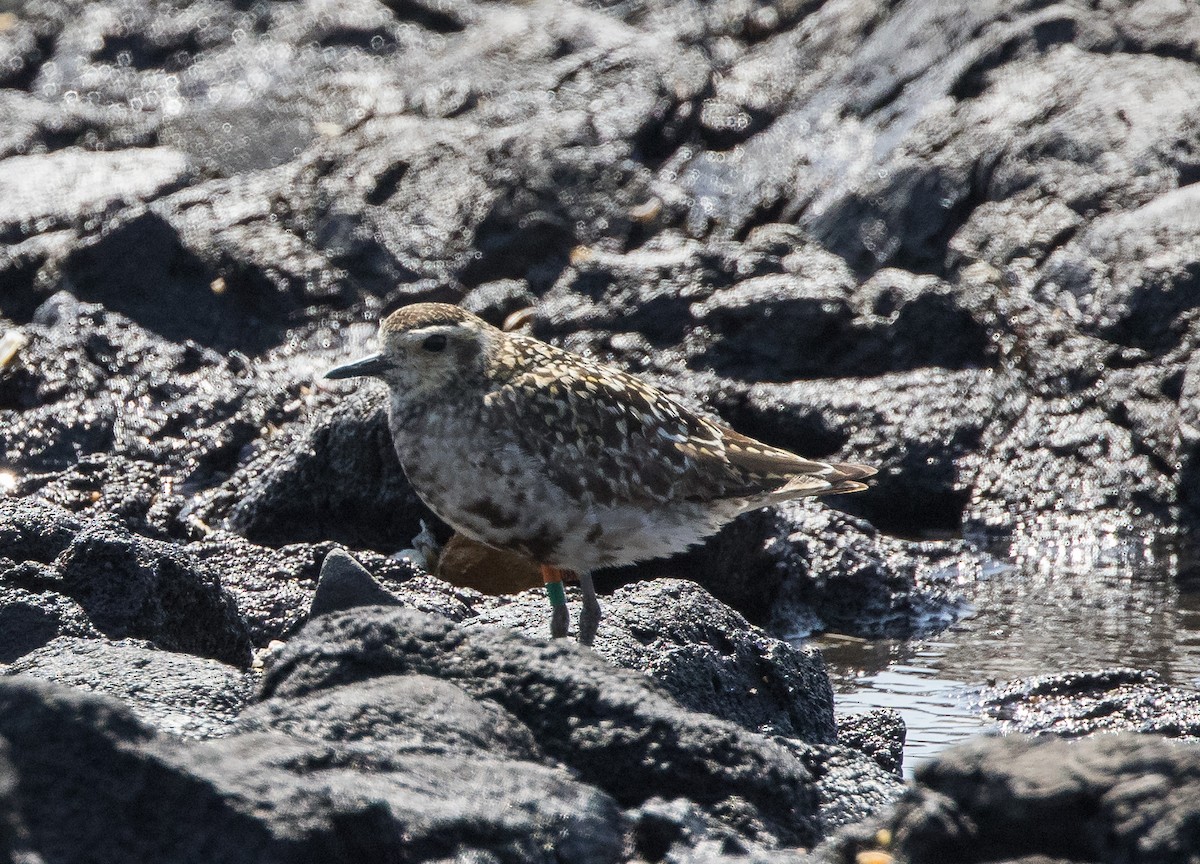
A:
478,479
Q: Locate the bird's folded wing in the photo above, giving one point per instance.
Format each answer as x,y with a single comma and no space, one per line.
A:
610,437
605,435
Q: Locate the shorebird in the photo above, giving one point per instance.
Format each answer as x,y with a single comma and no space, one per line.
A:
576,465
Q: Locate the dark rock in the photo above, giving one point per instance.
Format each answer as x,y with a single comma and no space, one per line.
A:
1189,436
30,619
124,584
344,584
341,480
36,532
1106,799
613,727
1071,463
801,568
495,301
710,660
90,383
273,588
927,472
737,565
703,653
130,586
176,693
845,576
879,734
851,785
401,714
14,839
56,199
133,491
1082,703
431,595
969,228
74,753
269,796
753,315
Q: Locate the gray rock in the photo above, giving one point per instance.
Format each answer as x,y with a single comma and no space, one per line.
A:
956,240
702,652
274,797
1074,704
845,575
176,693
400,714
14,839
30,619
1106,799
851,785
52,191
614,727
344,584
879,734
92,384
341,480
126,585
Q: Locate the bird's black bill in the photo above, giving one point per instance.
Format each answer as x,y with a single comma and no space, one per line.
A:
373,365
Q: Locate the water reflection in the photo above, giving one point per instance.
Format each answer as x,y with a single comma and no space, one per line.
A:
1039,608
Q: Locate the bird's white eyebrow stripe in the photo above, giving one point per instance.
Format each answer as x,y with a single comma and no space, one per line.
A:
432,330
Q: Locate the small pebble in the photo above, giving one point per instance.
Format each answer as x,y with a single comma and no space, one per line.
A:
11,344
873,856
647,211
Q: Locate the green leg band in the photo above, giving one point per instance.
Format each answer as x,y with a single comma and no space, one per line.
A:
554,590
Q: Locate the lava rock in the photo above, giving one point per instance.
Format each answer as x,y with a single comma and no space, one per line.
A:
340,481
92,384
344,584
125,585
270,796
846,576
176,693
613,727
403,714
879,734
702,652
1075,704
30,619
1105,799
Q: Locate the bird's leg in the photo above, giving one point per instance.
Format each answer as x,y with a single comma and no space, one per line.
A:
559,621
589,616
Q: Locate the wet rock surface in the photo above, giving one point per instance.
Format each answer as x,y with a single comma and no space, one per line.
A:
1082,703
955,240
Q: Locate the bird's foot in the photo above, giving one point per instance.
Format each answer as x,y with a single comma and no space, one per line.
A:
589,615
559,622
589,623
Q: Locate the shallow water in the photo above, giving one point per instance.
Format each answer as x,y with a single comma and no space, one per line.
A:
1038,609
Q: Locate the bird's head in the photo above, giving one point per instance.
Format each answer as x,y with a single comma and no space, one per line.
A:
426,348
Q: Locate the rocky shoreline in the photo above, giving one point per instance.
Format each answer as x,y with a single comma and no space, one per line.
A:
956,240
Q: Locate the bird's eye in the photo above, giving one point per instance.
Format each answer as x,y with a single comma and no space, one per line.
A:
434,343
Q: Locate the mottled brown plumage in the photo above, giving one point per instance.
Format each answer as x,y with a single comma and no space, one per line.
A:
577,465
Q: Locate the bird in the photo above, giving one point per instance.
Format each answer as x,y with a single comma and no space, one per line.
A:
575,465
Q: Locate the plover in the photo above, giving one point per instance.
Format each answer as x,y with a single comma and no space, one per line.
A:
576,465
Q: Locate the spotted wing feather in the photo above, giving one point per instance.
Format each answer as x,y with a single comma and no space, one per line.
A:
608,437
601,435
